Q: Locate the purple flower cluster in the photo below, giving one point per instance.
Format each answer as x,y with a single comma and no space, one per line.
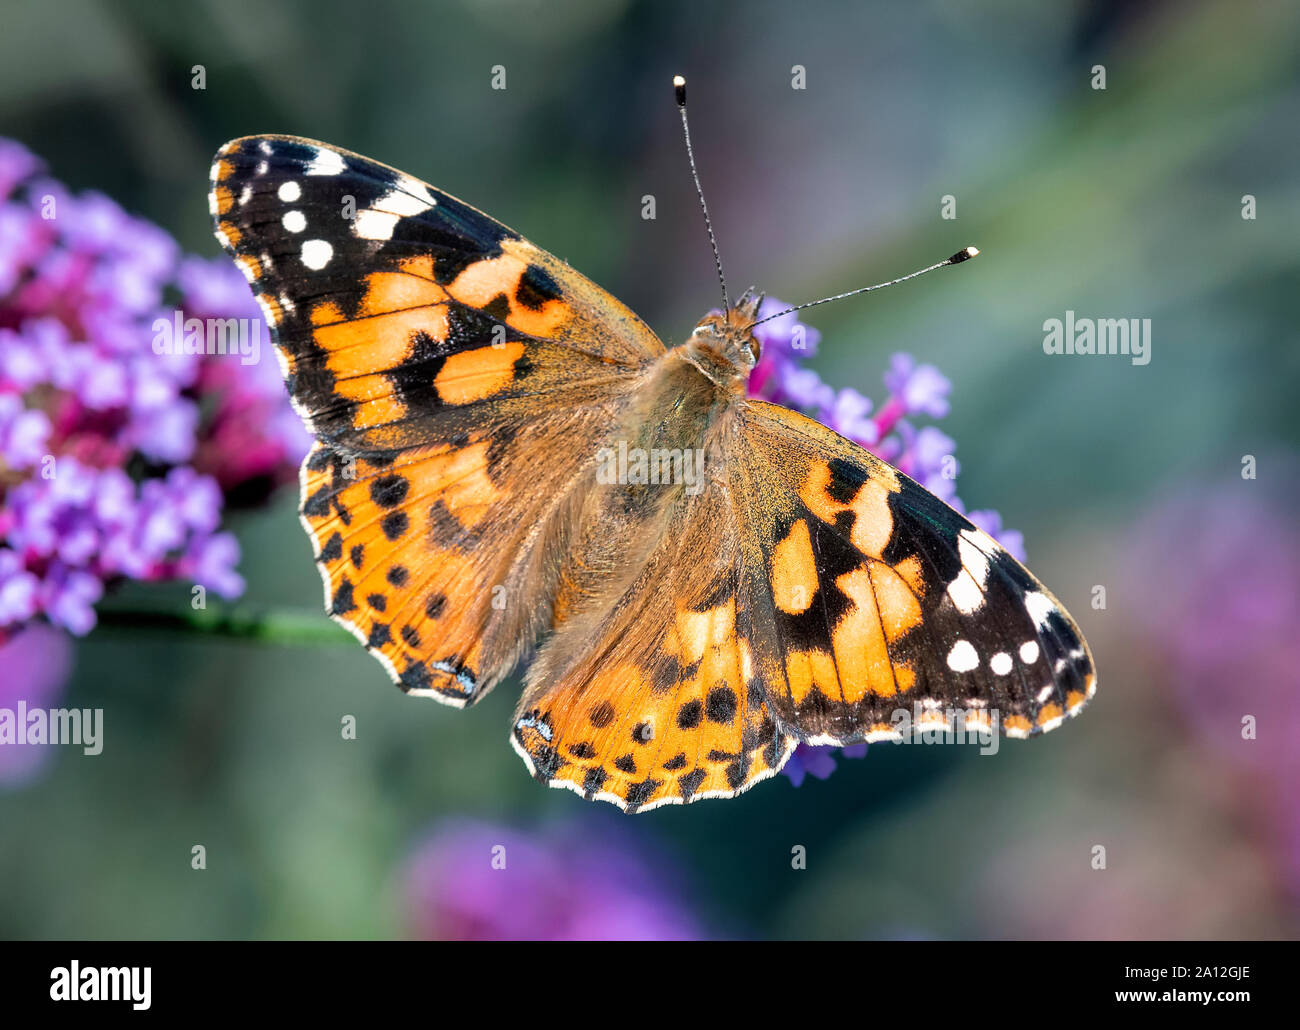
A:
117,457
924,453
474,880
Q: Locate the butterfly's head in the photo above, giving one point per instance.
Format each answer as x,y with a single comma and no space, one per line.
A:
724,347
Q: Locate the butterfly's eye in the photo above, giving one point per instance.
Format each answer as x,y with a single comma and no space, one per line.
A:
755,348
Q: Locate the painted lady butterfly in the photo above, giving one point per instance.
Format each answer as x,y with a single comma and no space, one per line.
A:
464,387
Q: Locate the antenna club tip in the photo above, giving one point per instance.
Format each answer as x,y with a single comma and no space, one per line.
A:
963,255
679,87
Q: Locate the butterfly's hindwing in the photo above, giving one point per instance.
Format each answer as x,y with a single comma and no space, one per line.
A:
658,701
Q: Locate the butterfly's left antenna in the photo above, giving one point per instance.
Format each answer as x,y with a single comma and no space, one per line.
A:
679,87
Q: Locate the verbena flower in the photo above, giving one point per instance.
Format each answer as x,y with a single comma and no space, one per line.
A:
35,664
818,760
116,461
888,430
473,880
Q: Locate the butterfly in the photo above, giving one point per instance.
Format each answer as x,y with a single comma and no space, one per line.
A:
511,468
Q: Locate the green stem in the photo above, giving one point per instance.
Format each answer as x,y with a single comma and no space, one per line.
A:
274,626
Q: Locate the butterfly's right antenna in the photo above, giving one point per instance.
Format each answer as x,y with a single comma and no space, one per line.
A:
679,86
965,254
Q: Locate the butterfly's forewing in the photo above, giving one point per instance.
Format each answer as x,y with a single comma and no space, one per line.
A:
656,699
456,377
395,306
869,595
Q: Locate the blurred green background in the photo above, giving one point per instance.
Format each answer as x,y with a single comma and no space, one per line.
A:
1117,203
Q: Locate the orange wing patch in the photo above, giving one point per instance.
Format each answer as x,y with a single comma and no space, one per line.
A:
532,303
476,375
794,571
872,523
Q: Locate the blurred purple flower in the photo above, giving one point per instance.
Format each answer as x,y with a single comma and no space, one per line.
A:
818,760
847,415
85,396
36,664
17,163
1214,575
921,389
474,880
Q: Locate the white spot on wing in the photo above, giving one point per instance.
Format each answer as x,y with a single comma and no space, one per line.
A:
316,254
1001,663
972,557
1039,607
962,657
1029,652
967,590
965,593
289,192
403,201
326,162
294,221
375,225
418,194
